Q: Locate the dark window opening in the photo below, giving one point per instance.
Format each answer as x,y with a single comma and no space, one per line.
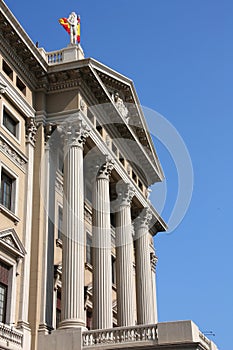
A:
6,190
4,279
20,85
122,159
134,176
140,185
7,69
99,128
9,122
113,219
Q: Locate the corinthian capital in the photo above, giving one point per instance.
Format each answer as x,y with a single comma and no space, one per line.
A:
74,132
143,219
125,193
31,130
106,168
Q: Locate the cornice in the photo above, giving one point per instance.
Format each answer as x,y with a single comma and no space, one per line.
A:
17,100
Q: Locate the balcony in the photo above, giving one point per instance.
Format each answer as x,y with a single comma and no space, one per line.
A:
10,338
121,336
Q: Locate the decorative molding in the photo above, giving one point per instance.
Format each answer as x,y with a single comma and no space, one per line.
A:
3,88
12,153
74,131
125,193
31,130
143,219
49,128
106,168
123,110
11,242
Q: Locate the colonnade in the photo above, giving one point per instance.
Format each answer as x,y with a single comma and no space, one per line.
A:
73,267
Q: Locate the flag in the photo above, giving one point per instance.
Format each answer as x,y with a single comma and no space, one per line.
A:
65,24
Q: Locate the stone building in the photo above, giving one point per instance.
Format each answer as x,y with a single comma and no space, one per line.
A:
77,262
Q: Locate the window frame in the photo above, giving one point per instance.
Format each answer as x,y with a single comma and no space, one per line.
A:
13,115
11,289
14,190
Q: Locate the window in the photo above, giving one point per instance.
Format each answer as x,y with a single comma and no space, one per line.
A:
10,122
20,85
134,176
4,277
7,184
113,270
121,159
88,248
140,185
60,222
7,69
58,308
114,149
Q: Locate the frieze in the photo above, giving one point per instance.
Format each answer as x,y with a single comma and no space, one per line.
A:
12,153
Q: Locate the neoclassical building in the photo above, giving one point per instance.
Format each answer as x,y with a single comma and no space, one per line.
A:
77,261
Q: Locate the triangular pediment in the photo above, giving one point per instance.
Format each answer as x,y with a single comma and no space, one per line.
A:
11,242
110,87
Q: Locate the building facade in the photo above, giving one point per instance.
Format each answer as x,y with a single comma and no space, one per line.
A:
77,261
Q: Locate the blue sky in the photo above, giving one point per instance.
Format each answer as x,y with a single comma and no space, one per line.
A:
179,54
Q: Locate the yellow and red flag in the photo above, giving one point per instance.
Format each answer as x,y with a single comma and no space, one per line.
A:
65,24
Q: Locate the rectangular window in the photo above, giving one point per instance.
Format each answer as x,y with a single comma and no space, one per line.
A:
7,69
20,85
60,222
4,278
7,190
10,122
89,248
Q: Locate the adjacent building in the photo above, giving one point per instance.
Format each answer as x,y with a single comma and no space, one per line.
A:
77,261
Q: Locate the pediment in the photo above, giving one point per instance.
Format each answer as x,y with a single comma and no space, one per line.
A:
11,242
118,90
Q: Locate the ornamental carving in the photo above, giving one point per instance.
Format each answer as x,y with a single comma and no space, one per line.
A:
120,105
143,219
125,193
49,128
75,132
106,168
12,153
31,130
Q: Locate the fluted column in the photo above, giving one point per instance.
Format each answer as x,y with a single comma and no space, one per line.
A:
124,258
72,312
143,269
153,261
102,272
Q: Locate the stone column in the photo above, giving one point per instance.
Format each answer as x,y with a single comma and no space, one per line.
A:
124,258
143,269
72,313
102,272
153,261
25,275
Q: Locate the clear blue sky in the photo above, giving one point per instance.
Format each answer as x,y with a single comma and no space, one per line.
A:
179,54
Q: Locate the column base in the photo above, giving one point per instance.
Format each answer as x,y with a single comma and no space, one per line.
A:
71,323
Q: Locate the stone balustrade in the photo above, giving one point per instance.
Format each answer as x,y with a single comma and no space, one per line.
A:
11,336
120,335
